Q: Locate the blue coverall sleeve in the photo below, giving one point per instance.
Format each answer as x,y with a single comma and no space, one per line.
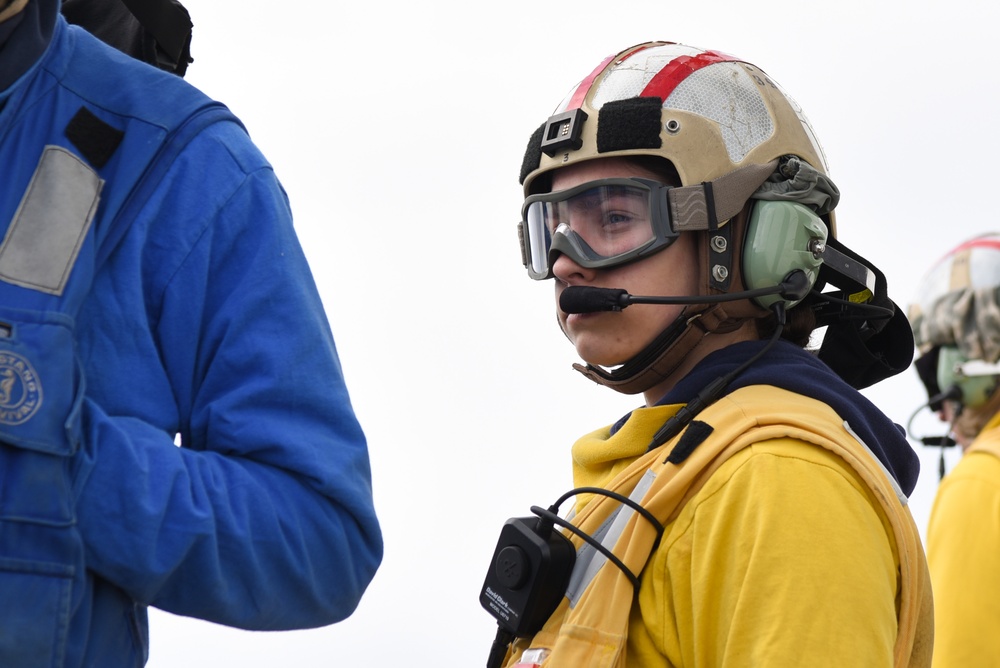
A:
263,518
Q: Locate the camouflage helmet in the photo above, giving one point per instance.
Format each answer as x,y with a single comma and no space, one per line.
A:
958,302
956,327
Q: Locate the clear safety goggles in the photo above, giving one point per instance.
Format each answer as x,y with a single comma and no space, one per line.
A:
598,224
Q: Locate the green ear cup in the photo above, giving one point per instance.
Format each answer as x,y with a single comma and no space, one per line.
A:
976,390
780,239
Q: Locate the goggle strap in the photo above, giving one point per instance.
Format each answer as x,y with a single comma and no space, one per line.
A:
691,211
524,246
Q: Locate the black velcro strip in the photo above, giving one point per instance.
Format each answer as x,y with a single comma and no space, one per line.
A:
629,124
693,436
95,139
533,154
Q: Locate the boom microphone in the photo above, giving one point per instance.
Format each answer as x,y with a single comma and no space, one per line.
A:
584,299
954,393
587,299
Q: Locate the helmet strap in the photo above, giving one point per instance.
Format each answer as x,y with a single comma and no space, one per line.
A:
661,358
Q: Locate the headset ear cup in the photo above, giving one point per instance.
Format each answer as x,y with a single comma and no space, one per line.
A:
976,390
779,240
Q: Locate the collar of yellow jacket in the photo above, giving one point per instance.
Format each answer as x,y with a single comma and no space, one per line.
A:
993,422
988,439
600,455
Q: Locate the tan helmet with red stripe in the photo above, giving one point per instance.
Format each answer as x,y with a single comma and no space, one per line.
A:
706,112
733,136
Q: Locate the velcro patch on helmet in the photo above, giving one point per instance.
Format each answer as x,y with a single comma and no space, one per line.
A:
533,154
629,124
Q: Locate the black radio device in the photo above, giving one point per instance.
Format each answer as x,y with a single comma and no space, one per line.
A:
532,565
528,575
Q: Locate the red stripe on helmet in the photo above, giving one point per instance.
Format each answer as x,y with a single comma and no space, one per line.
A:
581,91
991,242
580,94
680,68
985,242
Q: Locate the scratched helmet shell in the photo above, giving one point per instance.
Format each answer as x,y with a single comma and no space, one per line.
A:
718,120
707,112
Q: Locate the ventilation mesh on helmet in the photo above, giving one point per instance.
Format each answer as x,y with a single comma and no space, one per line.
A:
630,77
726,94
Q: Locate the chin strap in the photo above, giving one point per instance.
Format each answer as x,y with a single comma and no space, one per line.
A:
661,358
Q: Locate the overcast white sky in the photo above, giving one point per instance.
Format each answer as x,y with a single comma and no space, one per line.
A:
398,130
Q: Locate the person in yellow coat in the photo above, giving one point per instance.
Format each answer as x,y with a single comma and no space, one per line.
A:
752,511
956,325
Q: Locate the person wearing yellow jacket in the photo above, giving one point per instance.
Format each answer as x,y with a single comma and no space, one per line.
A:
957,331
752,512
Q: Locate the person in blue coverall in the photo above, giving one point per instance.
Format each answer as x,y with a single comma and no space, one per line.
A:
153,293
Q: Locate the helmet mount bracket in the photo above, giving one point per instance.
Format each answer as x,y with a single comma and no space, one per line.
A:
563,132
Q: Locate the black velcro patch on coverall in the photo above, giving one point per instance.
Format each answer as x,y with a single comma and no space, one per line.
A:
95,139
693,436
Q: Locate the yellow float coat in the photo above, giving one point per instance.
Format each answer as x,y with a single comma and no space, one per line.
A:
963,551
785,544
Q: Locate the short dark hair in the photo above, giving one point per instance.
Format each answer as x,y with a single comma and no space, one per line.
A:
800,322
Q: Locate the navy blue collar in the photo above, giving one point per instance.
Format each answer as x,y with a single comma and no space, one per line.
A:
24,38
791,368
